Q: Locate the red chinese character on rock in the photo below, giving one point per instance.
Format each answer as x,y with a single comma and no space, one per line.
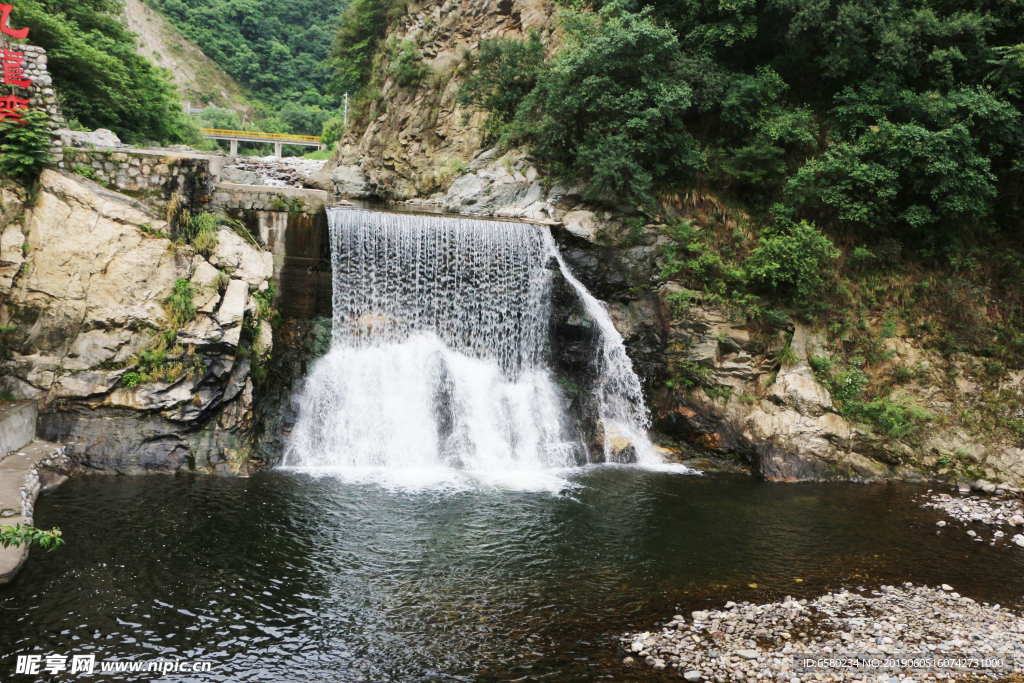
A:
14,73
5,15
11,107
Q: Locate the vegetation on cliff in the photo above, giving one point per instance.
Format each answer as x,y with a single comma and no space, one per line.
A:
101,81
858,164
867,118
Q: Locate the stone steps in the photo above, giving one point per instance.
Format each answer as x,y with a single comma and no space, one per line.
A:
20,478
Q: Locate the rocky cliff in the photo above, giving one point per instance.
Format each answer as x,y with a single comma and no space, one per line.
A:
86,275
418,138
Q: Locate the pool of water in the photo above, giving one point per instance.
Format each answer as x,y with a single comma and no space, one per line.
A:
286,576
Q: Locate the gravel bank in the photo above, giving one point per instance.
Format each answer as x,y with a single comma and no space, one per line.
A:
271,171
996,517
893,634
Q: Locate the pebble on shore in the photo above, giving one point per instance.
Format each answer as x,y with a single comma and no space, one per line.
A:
1003,508
744,643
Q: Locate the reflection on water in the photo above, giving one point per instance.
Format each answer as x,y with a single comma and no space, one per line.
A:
290,577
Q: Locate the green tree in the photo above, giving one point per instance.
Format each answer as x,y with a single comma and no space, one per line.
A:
789,263
102,82
279,50
360,34
505,73
610,106
25,146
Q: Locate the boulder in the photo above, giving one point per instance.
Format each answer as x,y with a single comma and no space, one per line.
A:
241,259
583,224
801,392
232,307
101,138
239,176
350,181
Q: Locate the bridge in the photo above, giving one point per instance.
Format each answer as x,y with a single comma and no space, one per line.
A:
279,139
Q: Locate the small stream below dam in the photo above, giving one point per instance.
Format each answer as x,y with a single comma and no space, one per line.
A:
288,576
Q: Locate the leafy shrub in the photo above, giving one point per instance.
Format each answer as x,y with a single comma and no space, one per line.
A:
18,535
87,172
332,130
848,385
360,31
131,379
200,231
505,73
610,106
178,305
25,146
897,420
265,302
790,263
407,64
822,365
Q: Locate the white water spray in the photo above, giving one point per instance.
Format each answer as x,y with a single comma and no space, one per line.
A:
621,400
440,353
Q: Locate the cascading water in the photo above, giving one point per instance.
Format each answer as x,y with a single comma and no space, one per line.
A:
440,353
621,405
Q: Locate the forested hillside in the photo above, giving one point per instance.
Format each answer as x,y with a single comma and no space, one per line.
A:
276,49
101,81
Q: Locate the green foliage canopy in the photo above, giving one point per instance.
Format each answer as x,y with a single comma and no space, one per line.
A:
610,105
25,146
864,116
102,82
276,49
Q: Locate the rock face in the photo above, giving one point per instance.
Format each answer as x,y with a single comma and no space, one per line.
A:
299,343
101,137
716,384
419,138
87,306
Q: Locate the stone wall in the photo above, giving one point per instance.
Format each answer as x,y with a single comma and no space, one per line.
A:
266,198
40,94
147,175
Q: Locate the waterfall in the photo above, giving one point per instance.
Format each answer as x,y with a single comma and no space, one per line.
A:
623,414
440,355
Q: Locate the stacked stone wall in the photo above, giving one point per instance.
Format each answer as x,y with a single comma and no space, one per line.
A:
40,93
144,175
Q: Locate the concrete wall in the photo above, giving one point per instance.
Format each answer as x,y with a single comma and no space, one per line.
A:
17,425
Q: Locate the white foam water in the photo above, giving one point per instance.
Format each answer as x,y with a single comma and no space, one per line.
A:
621,399
438,375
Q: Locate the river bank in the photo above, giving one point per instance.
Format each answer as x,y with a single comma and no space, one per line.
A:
887,634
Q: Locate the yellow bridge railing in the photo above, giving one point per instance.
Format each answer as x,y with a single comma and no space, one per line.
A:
253,135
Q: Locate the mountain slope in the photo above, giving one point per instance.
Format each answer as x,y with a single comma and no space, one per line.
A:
276,50
200,81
